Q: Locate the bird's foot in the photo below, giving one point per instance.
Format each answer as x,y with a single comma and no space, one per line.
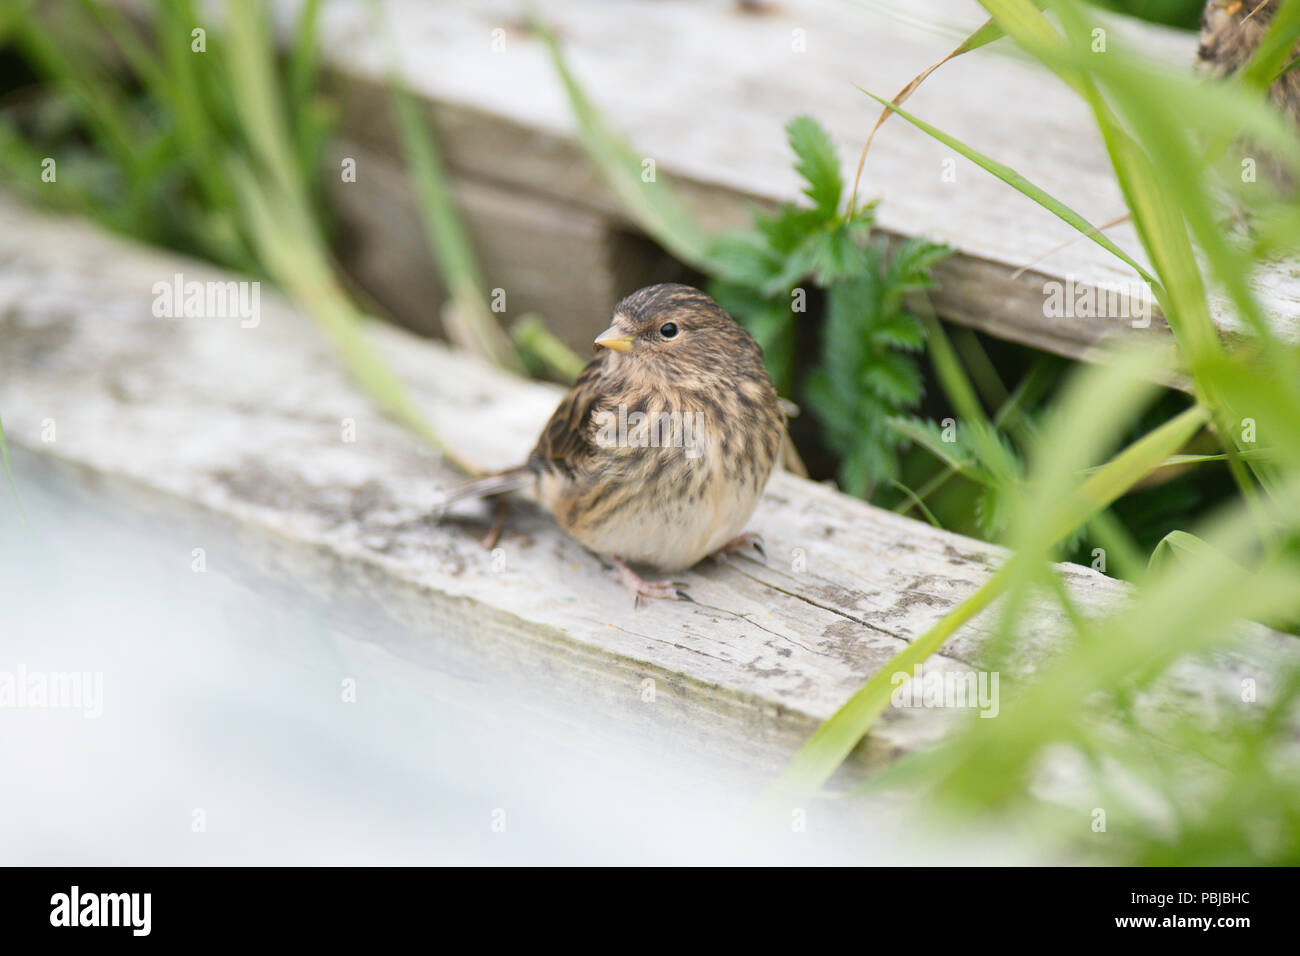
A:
639,587
741,542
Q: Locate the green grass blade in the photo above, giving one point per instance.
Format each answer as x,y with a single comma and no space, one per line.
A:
831,744
304,55
1021,185
653,205
299,268
1000,464
534,338
917,502
274,200
1185,544
472,326
1276,47
911,430
73,68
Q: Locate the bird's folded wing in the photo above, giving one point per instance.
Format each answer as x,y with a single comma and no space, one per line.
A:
564,442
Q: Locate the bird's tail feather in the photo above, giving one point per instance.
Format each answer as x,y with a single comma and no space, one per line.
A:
497,484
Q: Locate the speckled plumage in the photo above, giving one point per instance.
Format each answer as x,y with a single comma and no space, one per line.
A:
661,449
1230,34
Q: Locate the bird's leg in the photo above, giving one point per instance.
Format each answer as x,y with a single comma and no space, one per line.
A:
498,524
672,590
740,543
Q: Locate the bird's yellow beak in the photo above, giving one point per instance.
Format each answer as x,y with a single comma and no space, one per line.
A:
614,338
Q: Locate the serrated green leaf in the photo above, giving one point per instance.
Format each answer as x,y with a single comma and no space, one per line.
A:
913,261
788,228
744,257
901,330
991,510
836,254
796,266
894,378
817,163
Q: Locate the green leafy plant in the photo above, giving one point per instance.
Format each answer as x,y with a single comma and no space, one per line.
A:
1220,774
866,371
867,375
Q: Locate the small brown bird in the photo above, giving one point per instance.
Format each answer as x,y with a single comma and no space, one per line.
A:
661,449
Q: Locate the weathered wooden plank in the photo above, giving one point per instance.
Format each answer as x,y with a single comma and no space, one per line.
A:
539,254
704,89
255,425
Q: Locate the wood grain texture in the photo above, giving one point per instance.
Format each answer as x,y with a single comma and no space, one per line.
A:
248,423
704,89
522,243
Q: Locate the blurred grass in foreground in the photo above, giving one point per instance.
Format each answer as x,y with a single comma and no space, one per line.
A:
203,140
1215,781
1211,782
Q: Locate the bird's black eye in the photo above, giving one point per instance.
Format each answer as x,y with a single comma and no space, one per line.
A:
668,330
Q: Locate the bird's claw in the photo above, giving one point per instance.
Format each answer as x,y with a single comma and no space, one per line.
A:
639,587
740,543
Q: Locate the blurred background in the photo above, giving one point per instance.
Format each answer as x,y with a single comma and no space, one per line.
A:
466,171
